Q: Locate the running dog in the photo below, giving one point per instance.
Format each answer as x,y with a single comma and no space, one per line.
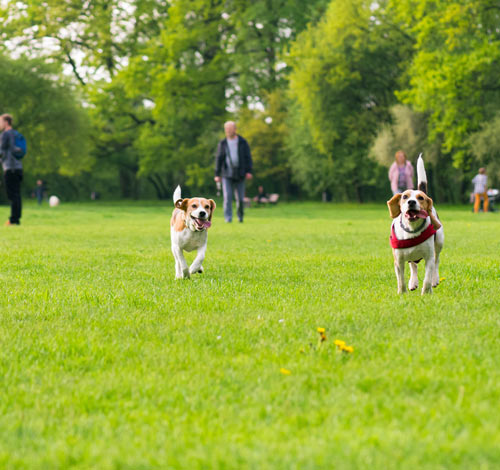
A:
416,234
190,221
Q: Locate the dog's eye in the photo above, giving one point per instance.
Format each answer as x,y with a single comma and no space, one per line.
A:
405,196
194,206
207,207
420,198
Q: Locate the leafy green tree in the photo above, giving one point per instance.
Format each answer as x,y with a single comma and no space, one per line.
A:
48,112
183,75
93,38
453,75
485,146
267,132
346,70
259,36
408,131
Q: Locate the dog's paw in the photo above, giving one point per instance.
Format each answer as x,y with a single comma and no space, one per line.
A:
196,270
427,290
412,285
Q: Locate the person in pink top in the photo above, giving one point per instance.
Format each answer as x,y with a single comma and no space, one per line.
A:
401,174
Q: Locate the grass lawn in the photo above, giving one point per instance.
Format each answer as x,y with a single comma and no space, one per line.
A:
107,362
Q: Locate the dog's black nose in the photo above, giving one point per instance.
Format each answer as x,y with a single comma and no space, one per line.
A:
412,203
202,214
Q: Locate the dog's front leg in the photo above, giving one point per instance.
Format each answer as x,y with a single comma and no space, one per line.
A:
181,266
197,267
399,267
429,272
413,283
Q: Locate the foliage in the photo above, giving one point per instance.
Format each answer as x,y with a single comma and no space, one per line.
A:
48,112
159,78
345,72
267,132
454,72
485,146
408,131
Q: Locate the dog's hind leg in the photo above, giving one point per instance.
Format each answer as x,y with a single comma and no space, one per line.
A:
399,267
429,272
435,277
413,282
197,267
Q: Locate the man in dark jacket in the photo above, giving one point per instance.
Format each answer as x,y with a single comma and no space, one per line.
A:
233,165
12,169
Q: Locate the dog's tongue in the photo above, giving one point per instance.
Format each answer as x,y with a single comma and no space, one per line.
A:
203,223
419,215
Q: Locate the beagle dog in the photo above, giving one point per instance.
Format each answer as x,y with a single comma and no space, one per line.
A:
416,234
190,221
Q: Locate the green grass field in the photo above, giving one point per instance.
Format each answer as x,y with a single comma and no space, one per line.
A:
107,362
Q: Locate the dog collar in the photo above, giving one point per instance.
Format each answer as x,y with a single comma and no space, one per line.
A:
425,235
411,231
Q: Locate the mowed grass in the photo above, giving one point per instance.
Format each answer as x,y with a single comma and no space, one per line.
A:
107,362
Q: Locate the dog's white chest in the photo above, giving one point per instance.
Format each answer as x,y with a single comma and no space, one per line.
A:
189,240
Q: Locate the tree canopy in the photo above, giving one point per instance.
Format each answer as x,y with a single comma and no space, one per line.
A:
324,90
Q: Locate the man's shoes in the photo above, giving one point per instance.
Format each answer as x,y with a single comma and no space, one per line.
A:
9,223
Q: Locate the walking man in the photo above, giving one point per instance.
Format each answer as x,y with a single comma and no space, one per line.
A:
233,165
12,169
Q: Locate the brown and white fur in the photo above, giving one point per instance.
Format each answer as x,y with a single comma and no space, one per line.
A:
406,209
190,221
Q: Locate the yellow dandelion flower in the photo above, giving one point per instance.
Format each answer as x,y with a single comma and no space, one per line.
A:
347,349
339,343
285,371
321,330
441,279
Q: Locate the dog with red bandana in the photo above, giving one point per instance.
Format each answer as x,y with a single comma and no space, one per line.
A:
190,221
416,234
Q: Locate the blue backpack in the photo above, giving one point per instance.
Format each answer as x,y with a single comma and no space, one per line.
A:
20,146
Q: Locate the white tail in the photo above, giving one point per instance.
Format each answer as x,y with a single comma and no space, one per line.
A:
421,175
177,194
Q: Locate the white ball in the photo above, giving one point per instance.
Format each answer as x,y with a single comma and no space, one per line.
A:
54,201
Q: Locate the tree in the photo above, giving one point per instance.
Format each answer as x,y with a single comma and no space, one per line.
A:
408,131
183,75
453,75
485,146
48,112
346,70
267,132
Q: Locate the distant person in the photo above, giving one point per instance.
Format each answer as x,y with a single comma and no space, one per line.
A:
262,197
12,169
233,165
401,173
39,191
480,182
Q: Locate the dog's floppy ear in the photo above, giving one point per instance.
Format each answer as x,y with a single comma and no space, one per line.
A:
428,207
212,208
393,205
182,204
